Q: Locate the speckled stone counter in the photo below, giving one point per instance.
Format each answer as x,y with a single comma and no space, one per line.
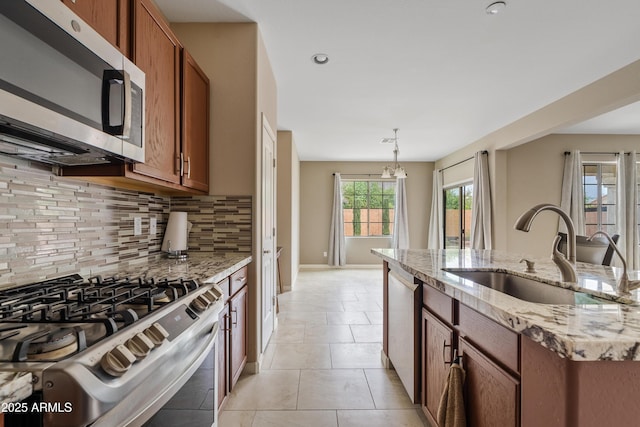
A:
208,267
584,332
14,386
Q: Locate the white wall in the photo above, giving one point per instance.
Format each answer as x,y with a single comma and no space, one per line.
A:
316,197
288,229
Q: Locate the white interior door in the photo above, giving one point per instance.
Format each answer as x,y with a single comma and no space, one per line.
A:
268,232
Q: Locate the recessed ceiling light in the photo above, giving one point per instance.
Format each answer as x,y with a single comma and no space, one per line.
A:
320,58
495,8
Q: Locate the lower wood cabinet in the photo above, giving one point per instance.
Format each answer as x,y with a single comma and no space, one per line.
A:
223,354
232,335
238,330
490,358
491,395
437,345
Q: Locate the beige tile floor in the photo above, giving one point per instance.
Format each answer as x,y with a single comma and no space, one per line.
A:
322,366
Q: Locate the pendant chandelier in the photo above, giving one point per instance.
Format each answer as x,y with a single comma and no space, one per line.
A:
396,170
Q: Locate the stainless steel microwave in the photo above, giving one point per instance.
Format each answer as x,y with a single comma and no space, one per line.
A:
67,96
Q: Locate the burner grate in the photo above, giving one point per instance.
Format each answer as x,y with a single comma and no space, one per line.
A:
99,305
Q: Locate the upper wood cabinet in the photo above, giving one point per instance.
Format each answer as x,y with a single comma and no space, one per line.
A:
156,51
110,18
195,125
176,110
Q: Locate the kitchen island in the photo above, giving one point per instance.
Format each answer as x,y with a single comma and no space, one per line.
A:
527,363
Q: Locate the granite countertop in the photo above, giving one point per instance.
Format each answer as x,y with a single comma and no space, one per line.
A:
15,386
209,267
588,332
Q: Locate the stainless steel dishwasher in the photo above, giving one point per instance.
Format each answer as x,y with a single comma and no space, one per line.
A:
404,329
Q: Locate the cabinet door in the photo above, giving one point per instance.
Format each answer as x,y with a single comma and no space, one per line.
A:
157,53
437,341
223,354
492,396
195,125
238,335
110,18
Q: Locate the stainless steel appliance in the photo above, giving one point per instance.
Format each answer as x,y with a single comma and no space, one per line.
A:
107,352
67,96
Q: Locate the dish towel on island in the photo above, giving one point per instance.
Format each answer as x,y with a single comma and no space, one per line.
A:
451,407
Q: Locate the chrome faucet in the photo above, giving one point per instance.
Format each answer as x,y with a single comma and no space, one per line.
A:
566,266
625,286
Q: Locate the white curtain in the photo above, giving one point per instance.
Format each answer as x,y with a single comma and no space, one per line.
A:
436,222
627,201
572,199
337,244
401,217
481,210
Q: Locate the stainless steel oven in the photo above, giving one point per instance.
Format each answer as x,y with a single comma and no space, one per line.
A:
67,96
112,352
195,404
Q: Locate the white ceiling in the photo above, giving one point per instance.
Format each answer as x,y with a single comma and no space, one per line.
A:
444,72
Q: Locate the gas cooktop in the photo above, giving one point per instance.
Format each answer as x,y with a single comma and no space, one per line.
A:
90,342
51,320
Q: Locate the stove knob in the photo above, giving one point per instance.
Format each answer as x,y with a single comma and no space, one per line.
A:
139,345
210,296
156,333
217,292
200,304
117,361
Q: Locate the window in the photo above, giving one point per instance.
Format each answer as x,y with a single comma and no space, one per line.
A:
600,196
599,185
457,216
368,207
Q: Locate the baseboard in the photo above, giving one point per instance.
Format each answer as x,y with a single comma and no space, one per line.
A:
332,267
386,362
252,367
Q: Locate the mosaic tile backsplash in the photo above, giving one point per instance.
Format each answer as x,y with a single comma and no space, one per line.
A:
221,224
52,226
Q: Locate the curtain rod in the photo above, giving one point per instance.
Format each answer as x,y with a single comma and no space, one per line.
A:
566,153
358,174
462,161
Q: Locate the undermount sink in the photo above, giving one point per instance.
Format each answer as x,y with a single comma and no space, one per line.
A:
526,289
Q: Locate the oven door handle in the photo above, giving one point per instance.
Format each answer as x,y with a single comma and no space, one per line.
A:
215,329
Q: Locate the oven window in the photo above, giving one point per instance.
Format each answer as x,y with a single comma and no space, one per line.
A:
194,405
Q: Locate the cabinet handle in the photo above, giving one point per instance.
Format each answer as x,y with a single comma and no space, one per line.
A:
224,319
189,167
234,322
444,350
